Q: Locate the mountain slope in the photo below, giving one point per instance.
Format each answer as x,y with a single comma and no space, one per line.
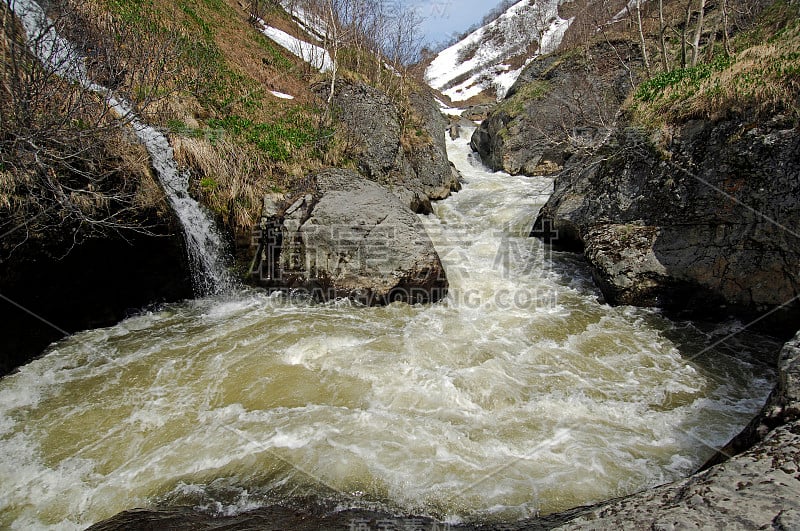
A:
489,60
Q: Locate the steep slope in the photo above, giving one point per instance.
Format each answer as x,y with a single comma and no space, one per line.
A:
234,93
562,104
489,60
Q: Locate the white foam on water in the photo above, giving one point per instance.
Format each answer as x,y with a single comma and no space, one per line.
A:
494,404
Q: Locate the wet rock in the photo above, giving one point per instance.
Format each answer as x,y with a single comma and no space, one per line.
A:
349,238
703,222
454,130
273,518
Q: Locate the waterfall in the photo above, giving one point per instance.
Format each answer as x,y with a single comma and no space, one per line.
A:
205,245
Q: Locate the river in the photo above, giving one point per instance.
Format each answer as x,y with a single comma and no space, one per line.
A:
522,393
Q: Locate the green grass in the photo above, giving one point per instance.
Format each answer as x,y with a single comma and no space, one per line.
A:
275,55
690,78
535,90
279,139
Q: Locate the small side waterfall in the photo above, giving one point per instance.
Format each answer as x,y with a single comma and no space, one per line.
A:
205,245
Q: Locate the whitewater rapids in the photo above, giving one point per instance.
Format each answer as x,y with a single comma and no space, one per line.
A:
522,393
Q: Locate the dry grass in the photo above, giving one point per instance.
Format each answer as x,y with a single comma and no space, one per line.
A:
758,81
225,177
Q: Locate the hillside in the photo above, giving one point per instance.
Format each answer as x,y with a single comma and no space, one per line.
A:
488,61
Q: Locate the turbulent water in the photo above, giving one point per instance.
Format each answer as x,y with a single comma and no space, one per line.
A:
522,393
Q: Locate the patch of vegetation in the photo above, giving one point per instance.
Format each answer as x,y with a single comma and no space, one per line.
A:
532,91
760,78
689,78
280,139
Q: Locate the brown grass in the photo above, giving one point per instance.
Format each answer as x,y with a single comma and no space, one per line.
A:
760,81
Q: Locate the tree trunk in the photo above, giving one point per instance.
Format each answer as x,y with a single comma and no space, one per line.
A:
698,32
725,27
332,26
683,32
662,28
641,37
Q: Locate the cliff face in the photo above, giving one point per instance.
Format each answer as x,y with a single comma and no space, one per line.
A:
705,220
50,288
561,105
404,152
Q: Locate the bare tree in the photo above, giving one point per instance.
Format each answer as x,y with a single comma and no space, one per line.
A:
66,161
642,42
698,31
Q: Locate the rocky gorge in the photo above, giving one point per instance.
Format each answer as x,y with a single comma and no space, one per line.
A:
697,217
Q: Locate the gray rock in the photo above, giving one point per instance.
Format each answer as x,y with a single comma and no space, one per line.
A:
350,238
706,221
454,130
478,113
407,155
562,104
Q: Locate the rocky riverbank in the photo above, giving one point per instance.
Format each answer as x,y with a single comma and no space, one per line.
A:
702,221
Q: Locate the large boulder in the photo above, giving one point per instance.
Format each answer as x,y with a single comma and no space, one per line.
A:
405,153
703,217
348,238
561,104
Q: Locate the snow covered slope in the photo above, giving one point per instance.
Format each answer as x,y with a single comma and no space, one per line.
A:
491,58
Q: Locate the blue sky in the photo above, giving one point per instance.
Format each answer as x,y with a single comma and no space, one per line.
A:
443,18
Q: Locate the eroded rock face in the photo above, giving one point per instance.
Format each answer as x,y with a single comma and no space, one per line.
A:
416,173
562,104
350,238
706,219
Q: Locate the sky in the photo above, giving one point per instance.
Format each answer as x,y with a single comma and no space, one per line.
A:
443,18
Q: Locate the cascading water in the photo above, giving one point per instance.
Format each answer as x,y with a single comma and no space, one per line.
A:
204,243
520,393
205,246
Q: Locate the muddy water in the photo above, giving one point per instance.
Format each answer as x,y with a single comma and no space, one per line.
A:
521,393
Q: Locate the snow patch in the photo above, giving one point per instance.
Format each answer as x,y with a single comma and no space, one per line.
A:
447,110
310,23
281,95
314,55
475,64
